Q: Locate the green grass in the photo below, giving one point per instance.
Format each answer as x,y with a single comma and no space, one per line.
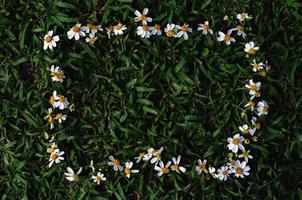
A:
132,93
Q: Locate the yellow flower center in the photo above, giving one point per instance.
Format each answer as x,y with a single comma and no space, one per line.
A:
256,65
91,27
239,170
245,131
253,87
258,125
61,99
265,108
50,119
184,28
76,29
145,28
226,38
165,170
143,18
157,26
245,154
235,141
51,150
251,51
263,73
176,167
251,103
127,170
240,27
75,177
48,39
170,33
118,27
52,100
116,162
59,115
54,156
57,75
202,167
141,155
205,26
224,172
98,178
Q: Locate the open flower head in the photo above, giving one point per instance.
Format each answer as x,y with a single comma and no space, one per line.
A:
128,169
205,28
115,163
226,38
162,169
183,31
250,48
241,169
56,73
170,30
201,167
235,143
76,31
98,178
176,167
71,176
50,41
55,157
142,16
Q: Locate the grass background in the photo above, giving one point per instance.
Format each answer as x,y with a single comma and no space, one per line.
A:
131,93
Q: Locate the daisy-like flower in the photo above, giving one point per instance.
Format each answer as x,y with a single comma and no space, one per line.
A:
262,108
98,178
76,32
235,143
244,16
246,130
201,167
56,73
205,28
91,39
52,148
240,30
257,66
254,88
55,156
183,31
50,118
52,99
156,155
226,38
162,169
142,17
246,155
223,173
71,176
176,167
115,163
170,30
143,31
250,48
61,102
60,117
50,40
241,169
155,30
128,169
92,29
119,29
212,171
140,156
250,104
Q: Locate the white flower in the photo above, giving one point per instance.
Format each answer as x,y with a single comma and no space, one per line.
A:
119,29
50,40
156,155
60,117
56,73
183,31
170,30
240,169
205,28
92,29
246,130
162,169
240,30
176,167
140,157
226,38
246,155
98,178
223,173
244,16
53,98
71,176
115,163
55,156
143,31
201,167
250,48
257,66
91,39
76,32
212,171
61,102
128,169
250,104
155,30
52,148
262,108
142,17
235,143
254,88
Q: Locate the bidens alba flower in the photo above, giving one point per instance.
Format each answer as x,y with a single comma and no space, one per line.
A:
50,40
170,30
142,17
246,155
183,31
140,156
226,38
257,66
92,29
223,173
205,28
155,30
176,167
262,108
115,163
56,73
254,88
244,16
250,48
240,169
71,176
98,178
143,31
162,169
128,169
235,143
240,31
119,29
201,167
91,39
60,117
61,102
76,32
246,130
55,156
